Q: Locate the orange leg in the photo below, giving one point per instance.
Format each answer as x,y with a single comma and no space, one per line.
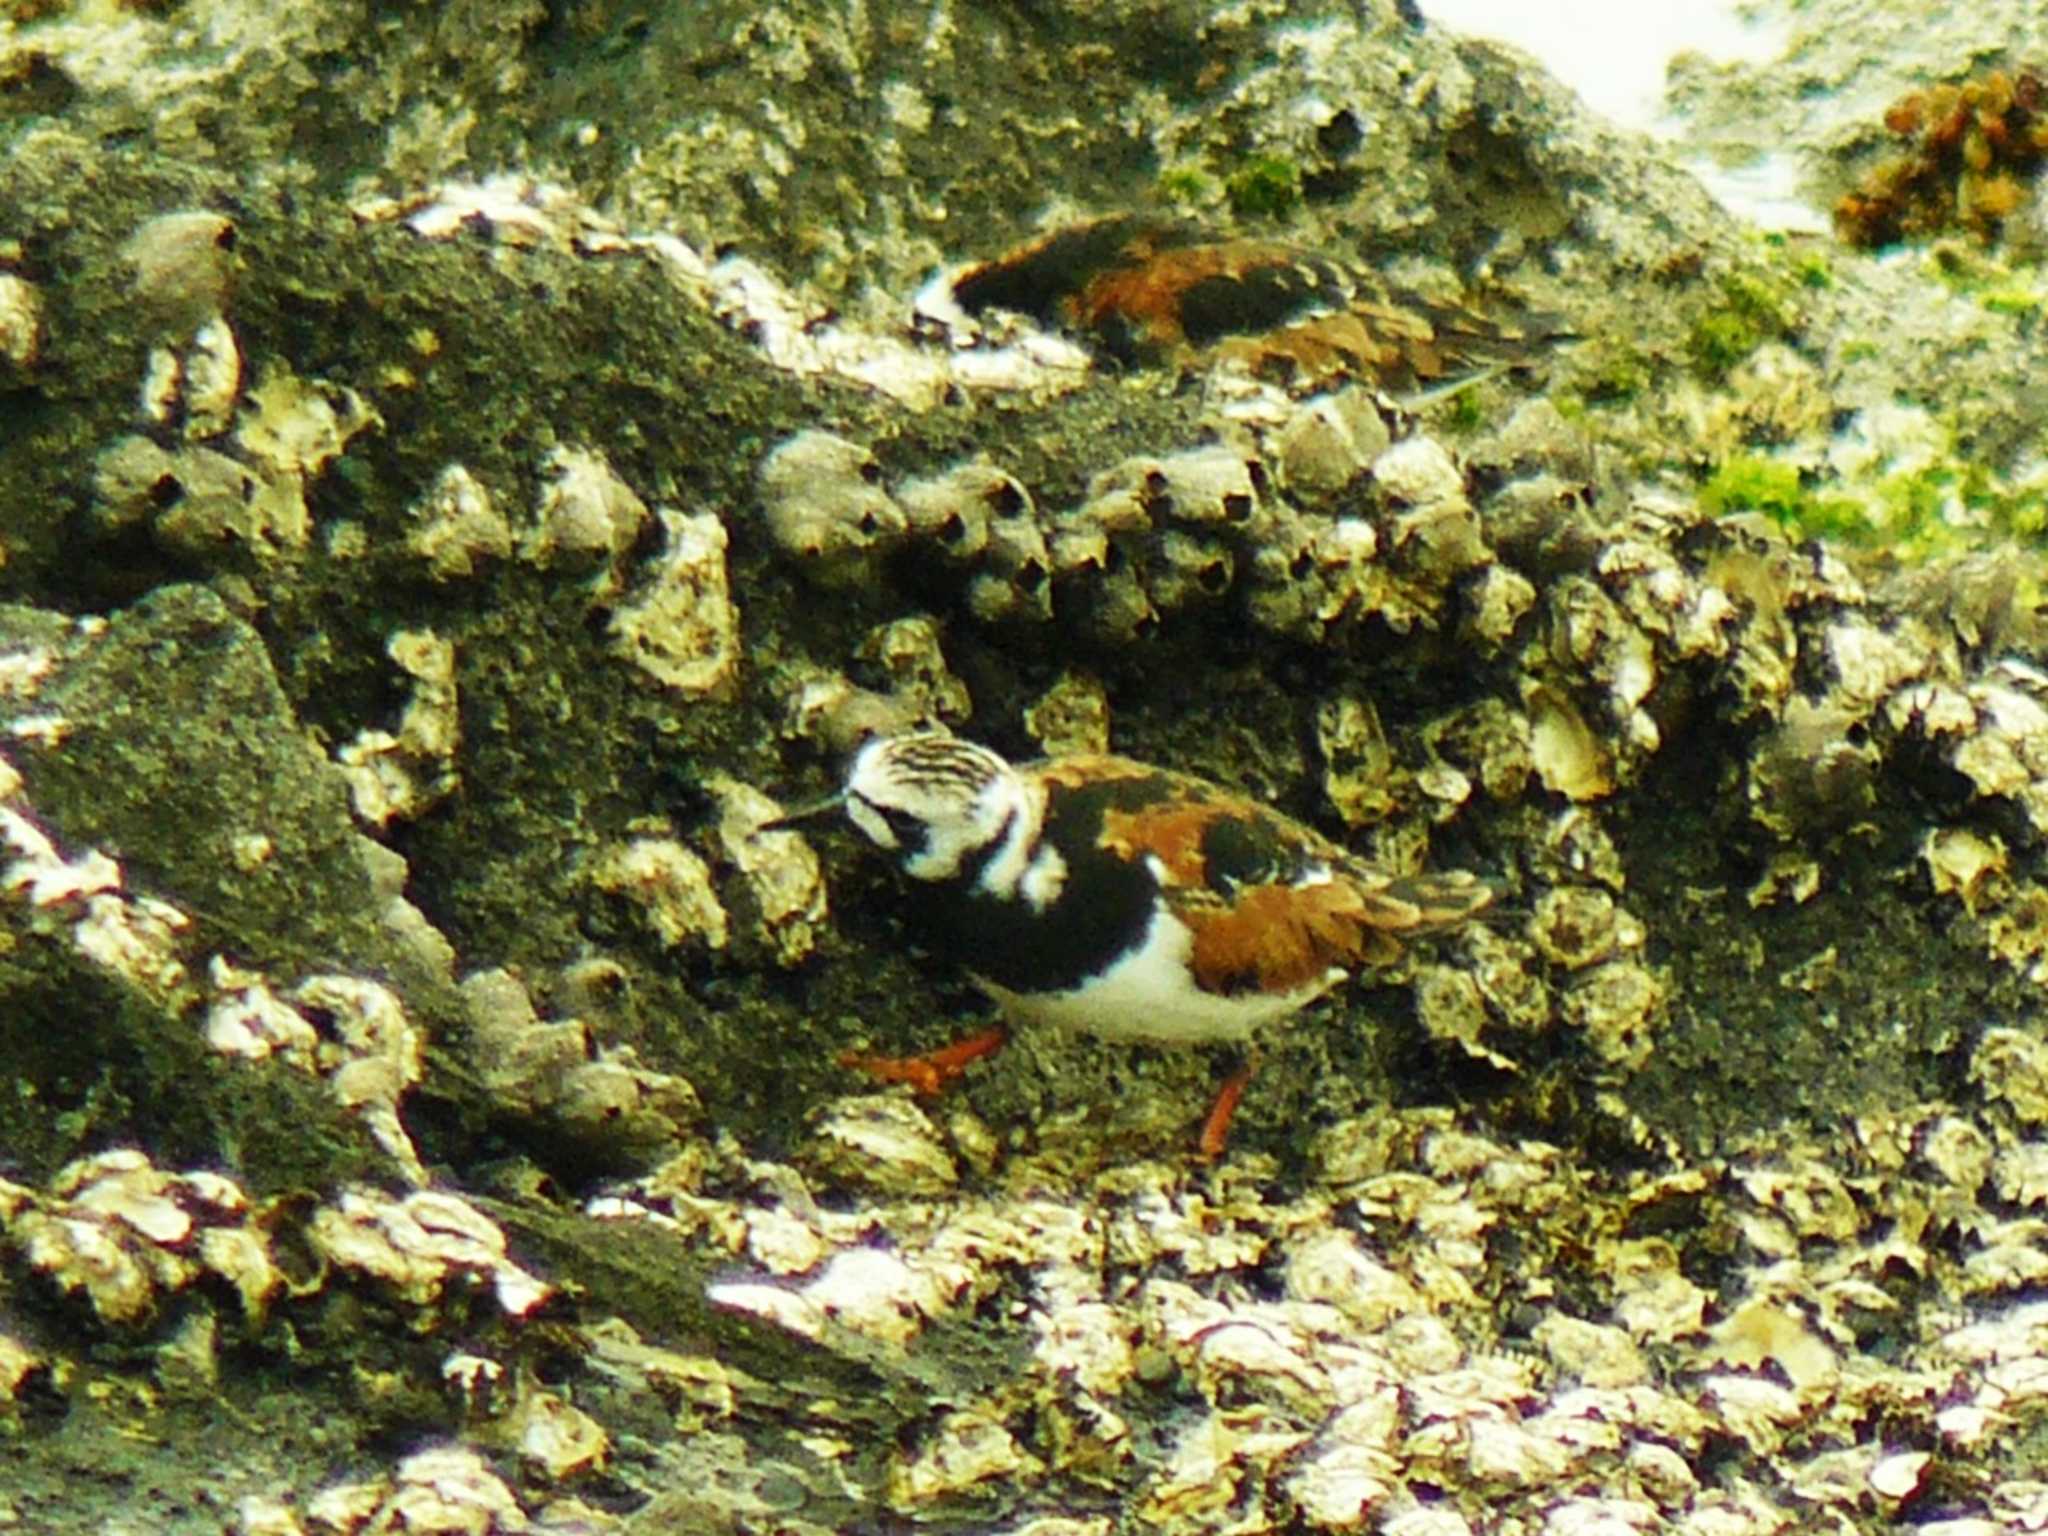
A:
929,1074
1216,1129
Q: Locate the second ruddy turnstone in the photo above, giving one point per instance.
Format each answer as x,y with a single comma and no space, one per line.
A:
1099,894
1145,289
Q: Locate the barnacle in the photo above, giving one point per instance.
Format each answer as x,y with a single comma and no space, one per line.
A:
670,884
680,625
457,523
587,515
822,500
21,320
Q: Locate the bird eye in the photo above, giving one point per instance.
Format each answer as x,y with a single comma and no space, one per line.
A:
901,822
903,829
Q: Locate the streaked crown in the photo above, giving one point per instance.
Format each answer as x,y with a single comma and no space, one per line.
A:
934,799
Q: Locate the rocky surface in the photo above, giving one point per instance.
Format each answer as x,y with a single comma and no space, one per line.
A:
462,471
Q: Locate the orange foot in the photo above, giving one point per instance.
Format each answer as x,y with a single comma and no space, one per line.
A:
929,1074
1216,1129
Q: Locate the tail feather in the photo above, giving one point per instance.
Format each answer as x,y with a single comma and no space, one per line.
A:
1414,904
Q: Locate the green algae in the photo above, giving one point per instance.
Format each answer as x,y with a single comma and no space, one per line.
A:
1751,308
1264,187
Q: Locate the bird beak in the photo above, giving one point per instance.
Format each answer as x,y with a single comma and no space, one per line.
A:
809,811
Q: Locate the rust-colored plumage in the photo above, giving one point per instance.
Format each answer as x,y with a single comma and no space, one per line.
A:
1149,291
1272,906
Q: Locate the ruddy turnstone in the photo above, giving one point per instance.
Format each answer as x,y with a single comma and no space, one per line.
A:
1147,290
1104,895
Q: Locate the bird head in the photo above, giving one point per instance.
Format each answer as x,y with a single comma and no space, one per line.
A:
935,801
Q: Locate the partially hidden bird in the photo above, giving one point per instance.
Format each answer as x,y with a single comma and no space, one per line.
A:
1147,290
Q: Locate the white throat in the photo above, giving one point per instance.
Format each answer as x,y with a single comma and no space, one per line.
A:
1019,808
1005,809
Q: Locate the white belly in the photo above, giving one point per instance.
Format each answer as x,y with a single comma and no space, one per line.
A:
1150,995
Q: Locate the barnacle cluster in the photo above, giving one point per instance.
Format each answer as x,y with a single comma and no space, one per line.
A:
221,467
365,1046
1264,527
127,1233
442,1488
674,618
1972,151
1213,1353
771,878
419,1244
399,775
557,1070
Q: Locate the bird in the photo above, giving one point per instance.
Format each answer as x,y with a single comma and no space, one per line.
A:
1103,895
1147,290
